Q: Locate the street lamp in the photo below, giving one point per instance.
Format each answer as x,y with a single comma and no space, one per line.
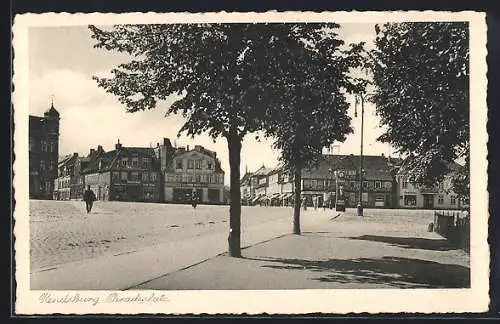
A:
360,202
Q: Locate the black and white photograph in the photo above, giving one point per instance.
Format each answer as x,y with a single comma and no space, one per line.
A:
250,163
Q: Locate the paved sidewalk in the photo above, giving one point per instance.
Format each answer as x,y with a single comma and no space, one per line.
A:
127,269
377,251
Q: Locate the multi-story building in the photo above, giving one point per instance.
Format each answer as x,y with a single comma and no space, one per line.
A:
124,174
260,180
246,188
187,172
70,183
440,196
43,153
332,173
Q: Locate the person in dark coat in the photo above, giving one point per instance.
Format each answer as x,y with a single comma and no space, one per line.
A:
89,198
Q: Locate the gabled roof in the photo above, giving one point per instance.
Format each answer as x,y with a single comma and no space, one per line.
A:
452,166
263,171
375,166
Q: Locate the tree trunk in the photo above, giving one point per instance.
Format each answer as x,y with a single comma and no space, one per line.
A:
296,207
234,146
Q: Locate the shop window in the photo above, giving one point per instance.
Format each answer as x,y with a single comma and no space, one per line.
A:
410,200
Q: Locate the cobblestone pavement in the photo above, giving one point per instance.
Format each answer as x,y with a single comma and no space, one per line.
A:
62,232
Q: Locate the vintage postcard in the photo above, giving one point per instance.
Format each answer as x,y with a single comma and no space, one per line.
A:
229,163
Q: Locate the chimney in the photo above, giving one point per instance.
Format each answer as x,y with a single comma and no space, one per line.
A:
100,149
187,148
92,151
75,154
383,155
118,145
167,142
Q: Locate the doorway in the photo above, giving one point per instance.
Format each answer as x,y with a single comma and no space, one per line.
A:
428,201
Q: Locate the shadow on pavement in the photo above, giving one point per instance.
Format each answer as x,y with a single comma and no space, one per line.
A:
410,242
393,271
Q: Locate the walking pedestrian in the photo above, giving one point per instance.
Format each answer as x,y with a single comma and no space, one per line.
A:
89,198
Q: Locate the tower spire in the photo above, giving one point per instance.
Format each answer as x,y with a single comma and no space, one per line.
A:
52,101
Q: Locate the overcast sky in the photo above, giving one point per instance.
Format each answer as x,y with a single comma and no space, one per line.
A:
62,61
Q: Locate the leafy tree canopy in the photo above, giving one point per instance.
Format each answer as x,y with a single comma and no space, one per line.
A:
421,74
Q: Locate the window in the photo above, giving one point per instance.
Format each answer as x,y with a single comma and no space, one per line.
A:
364,196
178,164
124,176
441,185
313,184
404,183
440,200
52,147
204,178
178,178
378,184
116,176
197,178
32,144
388,185
453,200
134,176
209,165
410,200
145,176
52,165
198,164
365,184
42,165
153,176
351,172
190,164
123,162
146,163
211,178
135,162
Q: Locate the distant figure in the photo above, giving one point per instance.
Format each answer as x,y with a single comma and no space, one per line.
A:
194,200
89,198
304,205
465,213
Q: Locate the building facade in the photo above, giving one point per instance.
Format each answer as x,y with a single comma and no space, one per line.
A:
333,173
70,183
43,154
413,196
246,188
187,172
124,174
